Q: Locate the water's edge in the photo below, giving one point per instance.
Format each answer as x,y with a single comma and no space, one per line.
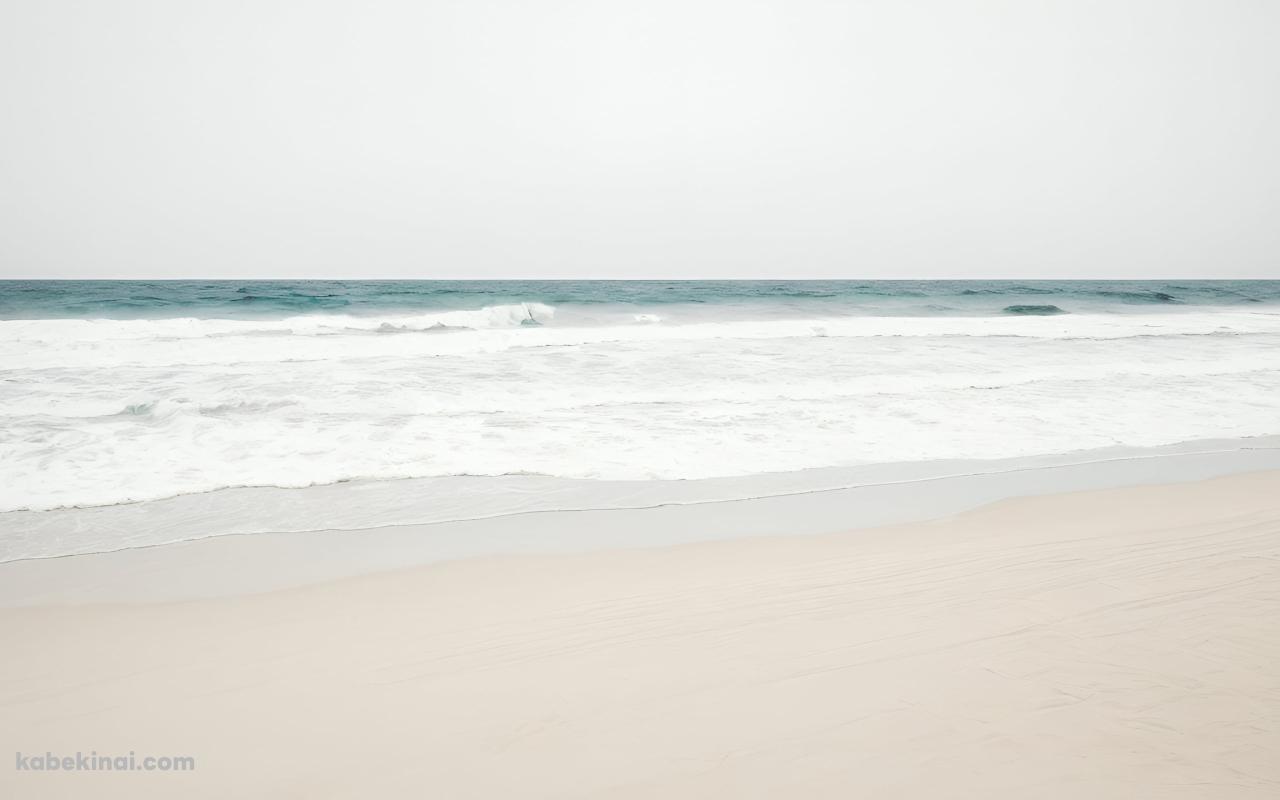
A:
809,501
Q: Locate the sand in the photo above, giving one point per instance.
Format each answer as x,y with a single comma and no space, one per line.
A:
1117,643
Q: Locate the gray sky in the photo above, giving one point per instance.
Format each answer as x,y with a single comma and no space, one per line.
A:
692,138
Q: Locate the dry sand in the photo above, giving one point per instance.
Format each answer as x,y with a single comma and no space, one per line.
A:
1108,644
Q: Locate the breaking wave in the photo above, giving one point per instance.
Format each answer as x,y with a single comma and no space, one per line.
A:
1033,310
98,411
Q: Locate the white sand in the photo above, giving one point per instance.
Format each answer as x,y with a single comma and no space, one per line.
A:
1108,644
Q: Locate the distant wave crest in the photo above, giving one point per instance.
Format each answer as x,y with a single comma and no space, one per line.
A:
513,315
1033,310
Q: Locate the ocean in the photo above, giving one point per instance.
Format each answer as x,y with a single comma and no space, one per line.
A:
123,391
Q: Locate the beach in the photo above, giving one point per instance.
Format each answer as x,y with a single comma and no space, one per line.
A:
610,539
616,401
1112,643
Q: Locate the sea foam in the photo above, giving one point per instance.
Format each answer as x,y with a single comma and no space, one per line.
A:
104,411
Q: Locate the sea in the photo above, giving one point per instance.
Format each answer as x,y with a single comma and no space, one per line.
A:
118,392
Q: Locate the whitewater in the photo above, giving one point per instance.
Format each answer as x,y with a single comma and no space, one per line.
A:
125,392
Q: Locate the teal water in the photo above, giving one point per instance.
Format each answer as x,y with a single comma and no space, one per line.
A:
275,299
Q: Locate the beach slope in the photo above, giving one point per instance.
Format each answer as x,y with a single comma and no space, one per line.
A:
1106,644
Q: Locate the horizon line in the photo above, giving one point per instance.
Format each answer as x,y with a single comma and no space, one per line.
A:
640,279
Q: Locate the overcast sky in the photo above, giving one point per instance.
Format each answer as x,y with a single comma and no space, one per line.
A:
693,138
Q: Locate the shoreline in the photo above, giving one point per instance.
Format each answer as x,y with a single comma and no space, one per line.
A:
367,504
1111,642
669,513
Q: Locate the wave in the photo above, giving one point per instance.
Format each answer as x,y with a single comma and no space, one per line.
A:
97,411
485,399
109,344
164,408
1139,297
1015,289
246,510
721,430
499,316
1124,297
1034,310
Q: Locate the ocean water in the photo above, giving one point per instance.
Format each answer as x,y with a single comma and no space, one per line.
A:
115,392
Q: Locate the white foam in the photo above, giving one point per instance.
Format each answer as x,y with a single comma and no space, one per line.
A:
98,412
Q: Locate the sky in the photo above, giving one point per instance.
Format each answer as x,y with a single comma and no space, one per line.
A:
654,139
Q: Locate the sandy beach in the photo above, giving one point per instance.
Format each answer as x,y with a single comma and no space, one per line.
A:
1112,643
640,401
